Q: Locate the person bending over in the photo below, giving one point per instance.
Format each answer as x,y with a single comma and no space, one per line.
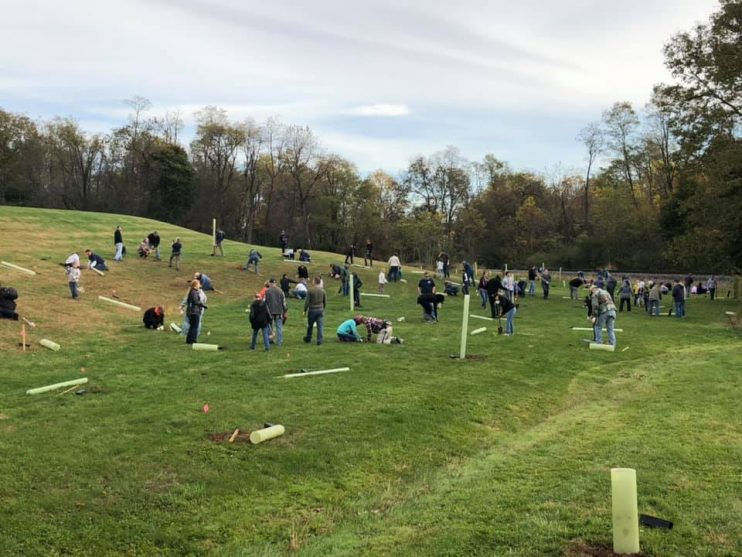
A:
154,318
348,331
8,296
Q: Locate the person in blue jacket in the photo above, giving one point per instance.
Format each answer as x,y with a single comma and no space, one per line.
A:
348,331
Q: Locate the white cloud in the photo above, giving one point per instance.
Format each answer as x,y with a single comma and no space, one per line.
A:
378,110
314,62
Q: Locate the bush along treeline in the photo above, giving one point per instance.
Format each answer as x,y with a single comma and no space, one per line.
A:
661,188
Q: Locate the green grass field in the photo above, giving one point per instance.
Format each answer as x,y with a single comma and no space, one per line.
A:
408,453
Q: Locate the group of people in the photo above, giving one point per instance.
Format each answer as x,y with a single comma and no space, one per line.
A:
148,247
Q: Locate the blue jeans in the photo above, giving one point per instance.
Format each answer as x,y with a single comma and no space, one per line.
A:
278,328
654,307
187,326
574,292
680,309
74,291
315,316
254,261
607,319
510,324
531,287
119,252
545,287
266,338
193,328
346,338
483,294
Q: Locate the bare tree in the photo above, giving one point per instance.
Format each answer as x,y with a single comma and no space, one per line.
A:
593,139
621,123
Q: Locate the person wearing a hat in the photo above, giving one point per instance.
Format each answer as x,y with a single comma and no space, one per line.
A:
276,302
604,314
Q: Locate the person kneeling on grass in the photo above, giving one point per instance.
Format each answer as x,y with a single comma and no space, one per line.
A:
154,318
348,331
8,296
379,327
430,304
96,261
205,281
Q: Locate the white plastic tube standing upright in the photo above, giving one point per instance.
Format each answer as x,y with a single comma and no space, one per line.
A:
625,511
464,327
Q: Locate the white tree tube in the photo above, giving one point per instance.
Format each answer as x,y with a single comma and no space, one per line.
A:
375,295
121,304
17,268
175,328
205,347
320,372
481,317
45,342
260,435
606,347
625,511
464,327
57,386
590,329
477,331
101,273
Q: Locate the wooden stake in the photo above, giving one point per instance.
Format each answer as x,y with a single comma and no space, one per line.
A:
23,336
234,435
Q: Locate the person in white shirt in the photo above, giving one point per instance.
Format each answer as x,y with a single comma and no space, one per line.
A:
382,281
394,268
300,291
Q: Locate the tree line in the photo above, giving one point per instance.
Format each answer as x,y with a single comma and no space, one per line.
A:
661,189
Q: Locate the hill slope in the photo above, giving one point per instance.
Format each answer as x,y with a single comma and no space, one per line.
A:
507,453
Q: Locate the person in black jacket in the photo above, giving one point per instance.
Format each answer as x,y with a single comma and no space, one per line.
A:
532,281
154,318
507,309
574,288
493,286
260,320
430,303
8,296
96,261
154,243
118,241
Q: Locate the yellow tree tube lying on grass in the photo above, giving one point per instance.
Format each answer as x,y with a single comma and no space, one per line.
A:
260,435
46,343
55,386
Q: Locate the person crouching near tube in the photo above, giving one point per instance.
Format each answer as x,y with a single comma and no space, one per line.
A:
508,310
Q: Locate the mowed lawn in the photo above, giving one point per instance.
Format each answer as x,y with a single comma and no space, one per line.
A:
409,453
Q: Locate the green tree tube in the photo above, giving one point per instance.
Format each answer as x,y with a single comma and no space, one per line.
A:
205,347
45,342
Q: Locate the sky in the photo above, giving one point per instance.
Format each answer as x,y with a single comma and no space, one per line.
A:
379,82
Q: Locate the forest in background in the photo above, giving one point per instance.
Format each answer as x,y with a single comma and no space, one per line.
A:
661,189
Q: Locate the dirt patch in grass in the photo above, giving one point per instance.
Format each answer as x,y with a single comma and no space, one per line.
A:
242,437
588,550
476,357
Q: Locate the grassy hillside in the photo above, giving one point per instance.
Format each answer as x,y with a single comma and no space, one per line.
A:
411,452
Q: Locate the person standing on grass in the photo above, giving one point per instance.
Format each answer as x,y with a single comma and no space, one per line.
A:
344,280
508,309
443,256
545,282
175,249
154,243
348,331
394,268
194,309
260,320
284,240
218,239
72,272
604,314
350,253
314,309
625,295
118,241
382,281
508,283
482,287
711,287
368,257
276,302
655,295
678,295
357,284
532,281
